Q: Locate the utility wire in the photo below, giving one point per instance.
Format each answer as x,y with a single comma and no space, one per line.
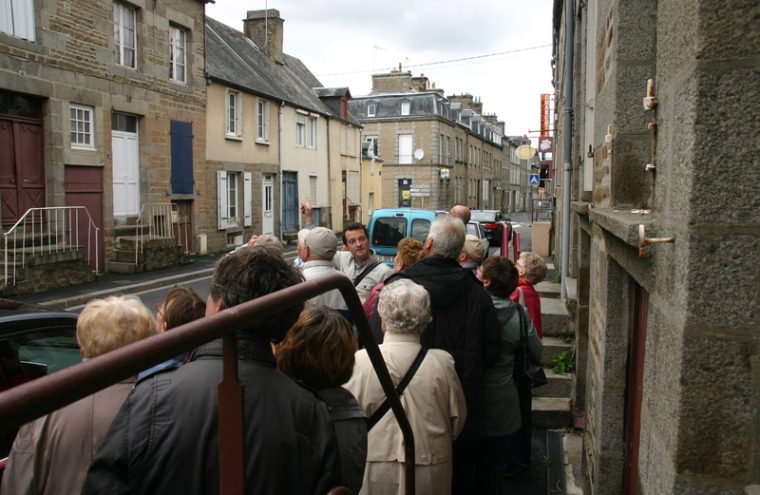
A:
427,64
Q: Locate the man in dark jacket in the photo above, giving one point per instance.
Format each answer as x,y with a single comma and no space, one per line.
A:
464,324
165,439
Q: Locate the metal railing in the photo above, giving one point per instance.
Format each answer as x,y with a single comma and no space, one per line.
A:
31,400
159,219
49,230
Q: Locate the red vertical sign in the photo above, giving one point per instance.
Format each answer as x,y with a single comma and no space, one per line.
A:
544,114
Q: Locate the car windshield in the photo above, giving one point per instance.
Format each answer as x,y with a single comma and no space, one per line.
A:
388,231
484,216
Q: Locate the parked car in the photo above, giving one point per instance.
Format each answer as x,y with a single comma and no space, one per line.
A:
476,228
33,342
493,223
387,226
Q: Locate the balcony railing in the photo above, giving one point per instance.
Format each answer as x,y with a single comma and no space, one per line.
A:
31,400
50,230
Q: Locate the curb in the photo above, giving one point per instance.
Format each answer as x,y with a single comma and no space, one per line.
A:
79,299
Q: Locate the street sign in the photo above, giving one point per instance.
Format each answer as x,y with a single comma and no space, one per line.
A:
533,179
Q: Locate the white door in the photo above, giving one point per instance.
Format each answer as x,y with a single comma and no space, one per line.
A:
267,212
126,173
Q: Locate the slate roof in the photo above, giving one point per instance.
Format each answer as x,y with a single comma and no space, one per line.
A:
235,60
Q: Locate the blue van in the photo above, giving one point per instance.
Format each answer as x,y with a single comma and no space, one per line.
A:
387,226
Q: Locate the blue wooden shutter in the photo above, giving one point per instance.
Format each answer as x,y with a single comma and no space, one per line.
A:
182,157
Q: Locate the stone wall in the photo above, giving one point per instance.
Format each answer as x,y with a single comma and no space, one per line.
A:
700,410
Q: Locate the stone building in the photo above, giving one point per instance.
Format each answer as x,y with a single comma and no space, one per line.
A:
291,140
103,107
663,230
436,151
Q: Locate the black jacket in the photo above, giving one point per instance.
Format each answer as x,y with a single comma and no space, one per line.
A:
464,324
165,437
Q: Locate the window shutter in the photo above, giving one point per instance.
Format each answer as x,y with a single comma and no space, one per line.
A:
221,176
247,196
353,187
182,157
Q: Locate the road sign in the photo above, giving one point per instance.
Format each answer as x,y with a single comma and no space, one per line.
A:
533,179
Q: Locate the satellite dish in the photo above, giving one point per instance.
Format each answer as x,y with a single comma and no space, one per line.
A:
525,152
418,153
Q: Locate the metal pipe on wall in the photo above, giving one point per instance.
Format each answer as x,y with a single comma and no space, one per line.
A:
567,148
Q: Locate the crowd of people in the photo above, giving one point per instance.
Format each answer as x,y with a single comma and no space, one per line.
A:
448,321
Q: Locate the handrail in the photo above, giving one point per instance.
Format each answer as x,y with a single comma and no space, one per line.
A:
161,228
31,400
68,228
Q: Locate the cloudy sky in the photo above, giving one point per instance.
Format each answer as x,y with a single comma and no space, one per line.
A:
496,50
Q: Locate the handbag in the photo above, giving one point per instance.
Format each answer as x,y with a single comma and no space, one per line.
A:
526,373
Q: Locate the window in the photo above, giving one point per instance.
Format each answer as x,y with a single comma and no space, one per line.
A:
311,132
300,130
81,127
234,190
406,105
178,42
373,146
405,148
262,120
371,109
124,34
17,18
313,189
234,114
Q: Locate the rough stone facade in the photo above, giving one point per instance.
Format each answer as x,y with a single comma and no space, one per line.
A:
690,422
71,61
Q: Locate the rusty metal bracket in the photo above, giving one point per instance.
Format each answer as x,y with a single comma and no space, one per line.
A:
644,241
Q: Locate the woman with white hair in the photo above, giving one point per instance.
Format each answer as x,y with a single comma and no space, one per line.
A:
433,398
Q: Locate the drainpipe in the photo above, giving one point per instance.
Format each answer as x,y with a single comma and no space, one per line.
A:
568,141
279,169
329,176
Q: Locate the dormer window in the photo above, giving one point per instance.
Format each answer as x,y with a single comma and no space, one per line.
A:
371,109
406,106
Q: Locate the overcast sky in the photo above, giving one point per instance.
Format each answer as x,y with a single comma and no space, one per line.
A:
506,44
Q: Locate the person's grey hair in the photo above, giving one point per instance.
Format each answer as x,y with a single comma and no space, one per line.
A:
448,234
269,241
404,307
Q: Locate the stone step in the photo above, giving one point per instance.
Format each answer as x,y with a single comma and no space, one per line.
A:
553,347
551,412
125,256
122,267
559,385
555,317
129,242
548,289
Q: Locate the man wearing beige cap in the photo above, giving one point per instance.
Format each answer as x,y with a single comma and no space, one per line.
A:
472,253
318,250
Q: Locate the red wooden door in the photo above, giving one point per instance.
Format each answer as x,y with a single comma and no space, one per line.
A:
84,187
634,390
22,168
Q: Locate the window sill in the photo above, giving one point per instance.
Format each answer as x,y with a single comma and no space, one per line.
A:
231,137
263,142
83,148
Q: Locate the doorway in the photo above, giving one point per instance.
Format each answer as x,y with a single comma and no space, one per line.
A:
125,147
634,389
267,202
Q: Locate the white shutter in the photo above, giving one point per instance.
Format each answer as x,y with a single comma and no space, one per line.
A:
221,176
247,196
313,190
353,187
405,148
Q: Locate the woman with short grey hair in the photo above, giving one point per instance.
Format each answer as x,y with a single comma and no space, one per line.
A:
404,307
433,399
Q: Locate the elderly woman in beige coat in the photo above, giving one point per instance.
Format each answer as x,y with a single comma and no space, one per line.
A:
433,400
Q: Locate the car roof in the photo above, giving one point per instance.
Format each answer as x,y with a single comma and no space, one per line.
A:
19,317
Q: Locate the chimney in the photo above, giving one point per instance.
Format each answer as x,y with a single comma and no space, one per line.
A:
264,27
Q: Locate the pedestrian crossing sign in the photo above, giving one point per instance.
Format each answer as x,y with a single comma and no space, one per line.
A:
533,180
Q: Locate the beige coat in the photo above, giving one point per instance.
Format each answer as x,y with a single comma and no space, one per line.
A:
435,405
51,454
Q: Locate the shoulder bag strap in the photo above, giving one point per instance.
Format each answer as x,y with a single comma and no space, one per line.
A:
385,406
371,266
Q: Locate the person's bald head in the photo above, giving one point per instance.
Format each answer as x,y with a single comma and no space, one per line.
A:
460,211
